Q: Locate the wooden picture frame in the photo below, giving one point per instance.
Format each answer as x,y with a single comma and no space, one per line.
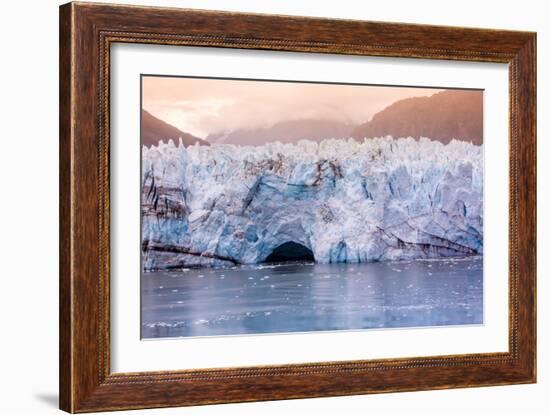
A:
86,33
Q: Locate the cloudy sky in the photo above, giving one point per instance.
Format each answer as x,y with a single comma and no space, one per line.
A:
204,106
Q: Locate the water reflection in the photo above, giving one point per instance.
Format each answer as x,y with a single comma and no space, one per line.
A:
298,297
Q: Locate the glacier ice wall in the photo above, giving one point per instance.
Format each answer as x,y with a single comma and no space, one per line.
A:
346,201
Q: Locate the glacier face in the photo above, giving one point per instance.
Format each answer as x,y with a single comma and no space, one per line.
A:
346,201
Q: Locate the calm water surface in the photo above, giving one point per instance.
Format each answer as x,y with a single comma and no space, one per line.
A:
301,297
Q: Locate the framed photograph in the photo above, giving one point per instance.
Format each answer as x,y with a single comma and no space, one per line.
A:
258,207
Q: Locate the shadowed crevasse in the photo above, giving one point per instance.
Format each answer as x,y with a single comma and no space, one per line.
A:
290,251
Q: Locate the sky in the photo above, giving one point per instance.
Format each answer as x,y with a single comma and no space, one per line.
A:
201,106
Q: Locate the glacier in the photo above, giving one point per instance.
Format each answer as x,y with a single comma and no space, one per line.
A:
342,200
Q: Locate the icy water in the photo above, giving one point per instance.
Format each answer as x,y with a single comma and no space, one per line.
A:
302,297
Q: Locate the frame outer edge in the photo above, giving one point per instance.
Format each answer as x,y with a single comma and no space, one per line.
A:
523,115
534,229
66,120
528,140
82,386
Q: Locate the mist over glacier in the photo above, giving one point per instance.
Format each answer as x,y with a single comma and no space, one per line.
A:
342,200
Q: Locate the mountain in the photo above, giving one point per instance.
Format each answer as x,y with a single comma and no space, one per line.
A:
443,116
285,132
153,130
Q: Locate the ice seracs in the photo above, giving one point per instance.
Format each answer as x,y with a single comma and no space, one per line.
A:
343,200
